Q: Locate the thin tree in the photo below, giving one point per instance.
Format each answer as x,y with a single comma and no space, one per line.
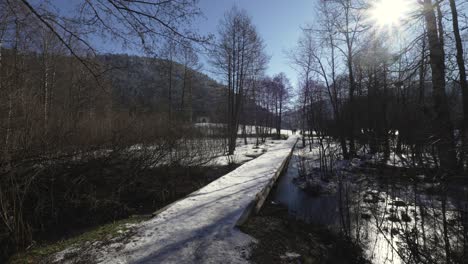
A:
349,25
234,54
463,81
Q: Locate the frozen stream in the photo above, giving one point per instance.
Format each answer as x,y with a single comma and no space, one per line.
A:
394,221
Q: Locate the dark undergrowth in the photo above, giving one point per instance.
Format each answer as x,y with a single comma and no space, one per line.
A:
67,199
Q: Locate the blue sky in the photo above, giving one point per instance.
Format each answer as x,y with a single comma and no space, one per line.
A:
277,21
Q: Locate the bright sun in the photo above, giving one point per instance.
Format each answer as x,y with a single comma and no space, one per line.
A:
389,13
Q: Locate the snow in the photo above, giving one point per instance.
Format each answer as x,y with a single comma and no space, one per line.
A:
202,227
205,152
250,129
243,152
291,256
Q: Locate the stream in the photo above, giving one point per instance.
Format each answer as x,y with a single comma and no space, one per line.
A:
393,219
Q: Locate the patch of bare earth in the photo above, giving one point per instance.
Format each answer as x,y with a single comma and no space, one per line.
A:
285,240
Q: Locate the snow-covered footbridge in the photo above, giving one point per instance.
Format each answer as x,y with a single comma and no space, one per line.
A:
202,227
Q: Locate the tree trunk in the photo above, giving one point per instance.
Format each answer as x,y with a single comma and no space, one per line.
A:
184,87
190,104
463,81
442,126
386,140
170,88
352,86
280,116
352,82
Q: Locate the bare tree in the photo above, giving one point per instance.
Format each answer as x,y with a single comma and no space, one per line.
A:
326,61
349,24
189,59
169,53
303,59
463,81
234,55
133,24
281,89
443,128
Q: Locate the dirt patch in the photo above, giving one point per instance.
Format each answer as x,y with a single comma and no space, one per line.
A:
285,240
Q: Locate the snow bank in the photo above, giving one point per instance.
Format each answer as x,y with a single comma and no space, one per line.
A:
202,227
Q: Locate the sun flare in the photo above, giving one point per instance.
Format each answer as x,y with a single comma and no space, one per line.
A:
389,13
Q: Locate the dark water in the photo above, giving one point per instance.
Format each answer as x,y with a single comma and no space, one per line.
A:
321,209
394,221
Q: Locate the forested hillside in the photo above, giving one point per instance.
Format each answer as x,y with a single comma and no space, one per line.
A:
141,84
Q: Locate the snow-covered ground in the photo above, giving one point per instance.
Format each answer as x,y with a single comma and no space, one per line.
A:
249,129
201,228
243,152
205,152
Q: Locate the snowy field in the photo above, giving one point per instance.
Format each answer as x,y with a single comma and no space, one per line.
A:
204,152
208,128
200,228
243,152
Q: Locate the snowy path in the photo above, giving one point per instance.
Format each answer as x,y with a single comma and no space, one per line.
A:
201,228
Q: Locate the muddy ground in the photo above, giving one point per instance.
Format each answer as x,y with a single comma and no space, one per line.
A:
282,239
